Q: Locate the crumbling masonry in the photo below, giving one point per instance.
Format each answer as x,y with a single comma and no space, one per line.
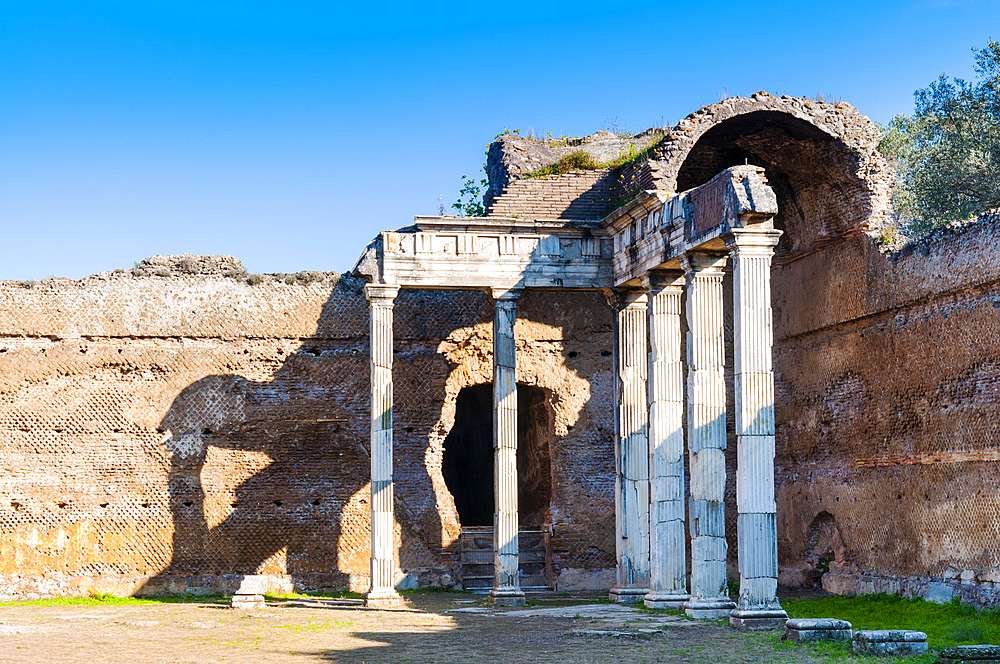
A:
175,427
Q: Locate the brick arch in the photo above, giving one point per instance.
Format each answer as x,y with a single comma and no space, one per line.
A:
822,160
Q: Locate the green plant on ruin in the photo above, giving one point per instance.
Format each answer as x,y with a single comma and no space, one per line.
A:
947,153
470,198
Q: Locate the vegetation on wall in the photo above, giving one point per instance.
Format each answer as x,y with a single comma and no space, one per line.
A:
947,153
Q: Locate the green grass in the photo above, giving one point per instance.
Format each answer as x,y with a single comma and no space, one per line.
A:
106,599
946,625
323,594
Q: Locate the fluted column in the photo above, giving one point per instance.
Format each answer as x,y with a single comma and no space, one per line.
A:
632,459
506,579
757,606
667,543
706,434
382,593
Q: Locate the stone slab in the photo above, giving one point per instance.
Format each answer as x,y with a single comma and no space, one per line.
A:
757,621
982,654
247,602
817,624
886,642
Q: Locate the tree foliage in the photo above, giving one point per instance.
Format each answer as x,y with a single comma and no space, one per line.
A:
948,153
470,202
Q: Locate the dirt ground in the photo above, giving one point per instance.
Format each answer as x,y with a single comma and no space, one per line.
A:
434,627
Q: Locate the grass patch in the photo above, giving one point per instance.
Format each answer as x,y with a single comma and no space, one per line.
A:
581,161
107,599
946,625
321,594
425,590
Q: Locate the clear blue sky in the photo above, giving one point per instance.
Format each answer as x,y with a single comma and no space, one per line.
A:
288,134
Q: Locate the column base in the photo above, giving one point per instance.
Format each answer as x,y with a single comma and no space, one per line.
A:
507,596
384,598
627,595
750,620
709,609
247,602
665,601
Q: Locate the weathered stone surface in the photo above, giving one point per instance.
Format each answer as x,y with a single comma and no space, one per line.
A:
883,642
247,602
982,654
808,630
252,584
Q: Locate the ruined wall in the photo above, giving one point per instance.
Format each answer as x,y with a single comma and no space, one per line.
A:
161,432
887,393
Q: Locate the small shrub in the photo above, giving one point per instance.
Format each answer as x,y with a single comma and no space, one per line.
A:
969,630
27,283
255,279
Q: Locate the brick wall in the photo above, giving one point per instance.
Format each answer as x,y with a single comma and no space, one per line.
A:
158,433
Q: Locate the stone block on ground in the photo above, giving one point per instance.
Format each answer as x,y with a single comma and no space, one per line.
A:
884,642
247,602
810,630
984,654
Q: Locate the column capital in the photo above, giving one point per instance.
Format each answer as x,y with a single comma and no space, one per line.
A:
631,297
752,241
658,280
505,294
704,261
382,294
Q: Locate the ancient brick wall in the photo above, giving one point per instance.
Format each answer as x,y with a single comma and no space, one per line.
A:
575,195
887,369
162,432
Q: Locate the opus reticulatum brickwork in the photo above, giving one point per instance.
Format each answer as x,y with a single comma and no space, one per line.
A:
174,428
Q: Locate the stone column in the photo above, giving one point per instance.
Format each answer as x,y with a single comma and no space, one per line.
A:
632,459
382,593
506,574
757,607
667,543
706,434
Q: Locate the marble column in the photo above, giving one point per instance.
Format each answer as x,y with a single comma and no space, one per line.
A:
506,574
382,593
632,458
706,434
667,542
757,606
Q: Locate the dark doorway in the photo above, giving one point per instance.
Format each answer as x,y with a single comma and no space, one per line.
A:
467,465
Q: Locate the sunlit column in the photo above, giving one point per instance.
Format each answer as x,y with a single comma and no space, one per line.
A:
667,542
632,458
757,607
506,584
706,434
382,594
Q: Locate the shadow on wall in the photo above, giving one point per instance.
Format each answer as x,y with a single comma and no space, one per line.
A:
272,476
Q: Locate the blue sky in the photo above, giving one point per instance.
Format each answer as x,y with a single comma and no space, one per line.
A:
288,134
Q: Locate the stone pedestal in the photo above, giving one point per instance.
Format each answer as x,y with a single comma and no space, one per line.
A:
381,594
667,542
250,594
706,434
506,580
886,642
810,630
757,548
632,458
